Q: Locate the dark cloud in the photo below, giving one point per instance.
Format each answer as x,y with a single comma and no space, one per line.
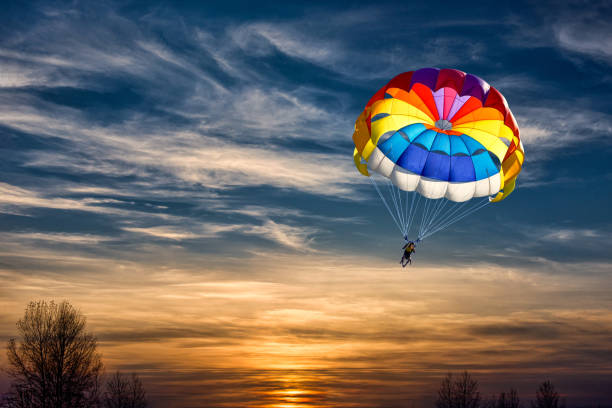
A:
210,332
523,330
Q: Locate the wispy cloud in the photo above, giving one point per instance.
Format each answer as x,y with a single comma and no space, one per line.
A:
63,238
548,131
262,38
299,238
570,235
193,153
321,40
293,237
552,128
189,155
180,233
591,42
582,30
13,198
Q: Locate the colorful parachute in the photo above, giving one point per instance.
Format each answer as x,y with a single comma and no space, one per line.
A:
441,133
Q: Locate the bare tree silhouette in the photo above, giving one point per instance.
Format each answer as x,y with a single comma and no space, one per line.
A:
466,390
509,400
547,396
460,393
54,364
445,393
124,392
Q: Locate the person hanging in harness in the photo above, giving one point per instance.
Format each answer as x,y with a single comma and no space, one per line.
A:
408,250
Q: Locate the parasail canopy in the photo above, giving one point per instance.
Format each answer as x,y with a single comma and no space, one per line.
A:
442,133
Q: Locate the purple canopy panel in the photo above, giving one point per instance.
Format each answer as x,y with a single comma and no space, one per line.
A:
425,76
474,86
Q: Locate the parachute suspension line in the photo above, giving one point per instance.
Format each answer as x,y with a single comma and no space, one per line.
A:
400,208
422,214
435,214
397,201
446,217
456,219
407,211
430,214
395,206
416,207
470,211
382,197
438,212
434,211
460,216
424,217
397,198
410,215
403,209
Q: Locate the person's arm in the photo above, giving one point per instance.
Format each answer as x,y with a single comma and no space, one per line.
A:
404,247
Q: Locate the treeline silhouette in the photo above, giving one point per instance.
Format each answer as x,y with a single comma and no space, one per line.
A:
462,392
54,363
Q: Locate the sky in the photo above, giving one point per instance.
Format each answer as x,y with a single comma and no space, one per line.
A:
182,173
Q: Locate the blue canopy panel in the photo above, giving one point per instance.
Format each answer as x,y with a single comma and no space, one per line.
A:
458,147
437,166
462,169
426,139
439,156
442,144
472,145
394,146
484,166
413,131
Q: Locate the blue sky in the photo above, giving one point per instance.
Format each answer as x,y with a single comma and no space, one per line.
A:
214,140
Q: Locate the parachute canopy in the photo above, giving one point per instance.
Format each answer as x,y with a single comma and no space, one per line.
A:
441,133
